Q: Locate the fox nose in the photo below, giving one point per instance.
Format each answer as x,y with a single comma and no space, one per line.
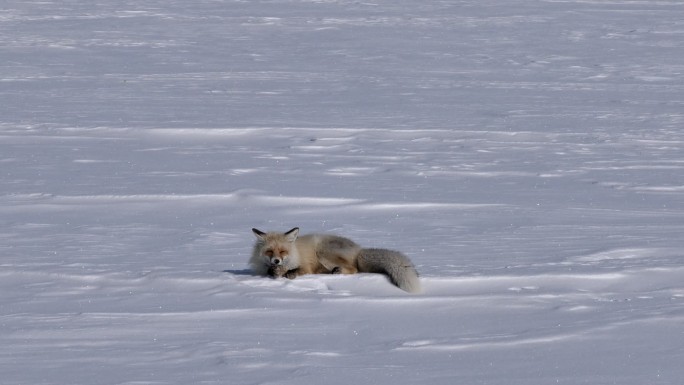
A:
276,261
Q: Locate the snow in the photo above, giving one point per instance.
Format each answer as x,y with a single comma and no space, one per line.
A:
527,155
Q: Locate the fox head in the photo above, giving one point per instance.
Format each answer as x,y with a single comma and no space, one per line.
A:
276,247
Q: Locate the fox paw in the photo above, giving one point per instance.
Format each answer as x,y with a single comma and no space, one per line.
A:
292,274
277,271
336,270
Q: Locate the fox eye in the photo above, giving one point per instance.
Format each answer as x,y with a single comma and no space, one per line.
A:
283,253
268,253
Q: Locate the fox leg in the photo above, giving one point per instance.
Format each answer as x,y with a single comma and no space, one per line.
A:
343,266
280,272
335,263
322,270
292,274
304,270
277,271
338,255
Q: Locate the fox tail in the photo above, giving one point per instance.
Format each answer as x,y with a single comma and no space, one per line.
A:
398,267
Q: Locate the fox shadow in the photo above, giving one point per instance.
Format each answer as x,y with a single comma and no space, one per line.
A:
238,272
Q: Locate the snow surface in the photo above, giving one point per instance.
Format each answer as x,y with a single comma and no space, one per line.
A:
527,155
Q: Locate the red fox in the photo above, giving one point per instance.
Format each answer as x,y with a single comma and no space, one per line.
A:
287,255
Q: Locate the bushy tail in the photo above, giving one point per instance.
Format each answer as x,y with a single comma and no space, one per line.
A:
394,264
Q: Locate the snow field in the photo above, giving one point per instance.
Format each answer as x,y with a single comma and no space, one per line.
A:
527,156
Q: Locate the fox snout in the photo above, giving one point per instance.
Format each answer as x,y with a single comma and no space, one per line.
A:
276,261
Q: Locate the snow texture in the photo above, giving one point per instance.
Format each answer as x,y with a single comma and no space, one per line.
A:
528,155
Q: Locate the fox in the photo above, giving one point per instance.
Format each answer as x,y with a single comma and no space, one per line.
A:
289,255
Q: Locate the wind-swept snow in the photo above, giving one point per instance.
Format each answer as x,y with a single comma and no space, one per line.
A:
527,155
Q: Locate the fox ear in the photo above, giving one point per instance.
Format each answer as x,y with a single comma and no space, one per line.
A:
259,234
292,234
